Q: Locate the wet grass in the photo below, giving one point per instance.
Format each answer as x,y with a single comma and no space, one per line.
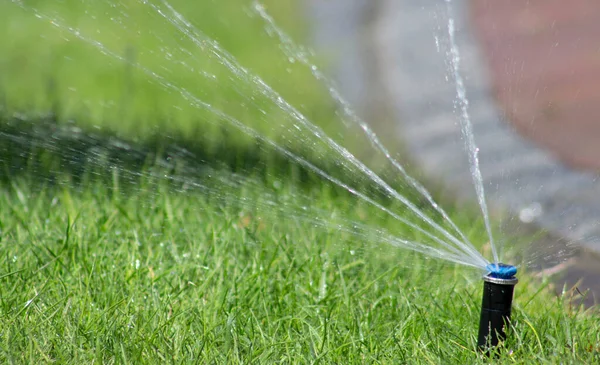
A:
105,275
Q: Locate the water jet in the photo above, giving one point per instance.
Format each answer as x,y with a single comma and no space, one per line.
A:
498,288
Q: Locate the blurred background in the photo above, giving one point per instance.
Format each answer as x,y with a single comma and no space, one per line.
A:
532,76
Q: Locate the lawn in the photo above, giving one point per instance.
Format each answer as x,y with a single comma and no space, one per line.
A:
158,276
136,228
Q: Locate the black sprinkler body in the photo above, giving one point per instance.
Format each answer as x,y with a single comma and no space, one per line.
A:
498,288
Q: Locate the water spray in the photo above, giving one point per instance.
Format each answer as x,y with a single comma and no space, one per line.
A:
498,287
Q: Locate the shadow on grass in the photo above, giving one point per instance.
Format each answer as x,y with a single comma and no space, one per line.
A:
51,151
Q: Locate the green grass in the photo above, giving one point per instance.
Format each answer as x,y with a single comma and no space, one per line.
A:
163,277
103,260
46,66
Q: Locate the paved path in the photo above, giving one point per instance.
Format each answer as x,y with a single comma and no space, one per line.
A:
544,61
405,42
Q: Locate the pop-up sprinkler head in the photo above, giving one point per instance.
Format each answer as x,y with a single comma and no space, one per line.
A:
498,287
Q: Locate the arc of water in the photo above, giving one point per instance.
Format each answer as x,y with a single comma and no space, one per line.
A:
481,262
344,225
467,127
354,228
244,75
291,49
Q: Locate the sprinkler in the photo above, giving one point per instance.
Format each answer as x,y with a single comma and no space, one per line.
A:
498,287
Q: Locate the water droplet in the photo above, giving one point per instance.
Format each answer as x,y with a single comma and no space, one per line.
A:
530,213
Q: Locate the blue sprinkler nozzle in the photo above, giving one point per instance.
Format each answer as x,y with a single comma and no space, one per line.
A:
501,271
